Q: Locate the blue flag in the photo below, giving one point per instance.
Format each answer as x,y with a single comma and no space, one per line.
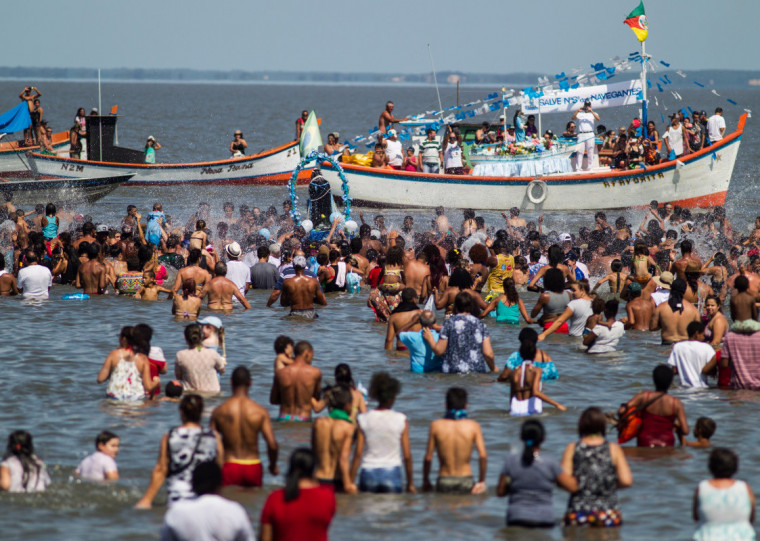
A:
16,119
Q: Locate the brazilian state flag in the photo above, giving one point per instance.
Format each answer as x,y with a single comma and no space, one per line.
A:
637,20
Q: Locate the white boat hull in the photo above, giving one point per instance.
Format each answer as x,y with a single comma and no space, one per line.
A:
274,166
698,180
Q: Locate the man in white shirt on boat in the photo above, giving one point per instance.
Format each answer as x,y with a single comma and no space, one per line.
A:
584,119
394,150
432,155
716,126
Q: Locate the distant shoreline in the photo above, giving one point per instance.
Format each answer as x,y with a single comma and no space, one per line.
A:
713,78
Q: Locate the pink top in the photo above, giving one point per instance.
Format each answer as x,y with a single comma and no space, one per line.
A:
744,352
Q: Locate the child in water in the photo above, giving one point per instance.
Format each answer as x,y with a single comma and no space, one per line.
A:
150,289
283,347
101,465
21,470
703,431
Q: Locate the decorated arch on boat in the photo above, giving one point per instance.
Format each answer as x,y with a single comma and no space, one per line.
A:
318,157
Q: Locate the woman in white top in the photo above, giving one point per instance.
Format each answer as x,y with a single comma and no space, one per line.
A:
127,372
21,470
676,139
724,507
383,437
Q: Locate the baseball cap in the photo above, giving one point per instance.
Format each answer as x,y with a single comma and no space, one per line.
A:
233,249
211,320
392,133
299,261
102,228
571,256
565,237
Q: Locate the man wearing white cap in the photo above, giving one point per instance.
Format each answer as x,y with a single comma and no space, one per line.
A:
237,271
394,150
301,292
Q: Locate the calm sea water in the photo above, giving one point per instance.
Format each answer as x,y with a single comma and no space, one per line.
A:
51,351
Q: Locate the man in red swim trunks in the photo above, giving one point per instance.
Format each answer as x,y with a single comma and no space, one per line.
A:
240,420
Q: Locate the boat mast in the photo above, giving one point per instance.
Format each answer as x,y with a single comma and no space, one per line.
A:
100,122
435,80
643,89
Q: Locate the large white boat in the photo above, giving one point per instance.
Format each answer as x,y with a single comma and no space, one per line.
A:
700,179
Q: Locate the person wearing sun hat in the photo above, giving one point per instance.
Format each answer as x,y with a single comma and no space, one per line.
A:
664,281
238,145
237,271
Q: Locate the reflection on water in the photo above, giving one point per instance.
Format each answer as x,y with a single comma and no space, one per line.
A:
51,351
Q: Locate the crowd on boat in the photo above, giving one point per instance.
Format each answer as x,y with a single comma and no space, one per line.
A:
675,271
629,147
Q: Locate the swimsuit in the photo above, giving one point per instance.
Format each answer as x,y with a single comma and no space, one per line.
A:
311,313
563,329
508,314
244,473
452,484
530,406
291,418
656,430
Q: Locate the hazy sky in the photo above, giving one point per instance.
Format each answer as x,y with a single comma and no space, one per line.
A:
545,36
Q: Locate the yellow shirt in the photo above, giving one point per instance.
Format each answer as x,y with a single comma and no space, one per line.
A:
503,269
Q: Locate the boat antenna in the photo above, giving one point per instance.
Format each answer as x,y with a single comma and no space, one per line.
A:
435,80
644,60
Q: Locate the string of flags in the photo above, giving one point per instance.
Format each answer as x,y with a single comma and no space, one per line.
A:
599,73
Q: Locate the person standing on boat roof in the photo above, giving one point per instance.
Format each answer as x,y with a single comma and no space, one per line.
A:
585,118
151,146
238,145
387,119
26,95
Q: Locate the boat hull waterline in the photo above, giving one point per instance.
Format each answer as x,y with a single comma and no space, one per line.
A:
700,179
271,167
57,190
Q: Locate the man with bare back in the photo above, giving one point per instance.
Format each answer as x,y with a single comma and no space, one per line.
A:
301,292
417,275
221,290
638,308
193,270
296,384
240,421
91,276
453,439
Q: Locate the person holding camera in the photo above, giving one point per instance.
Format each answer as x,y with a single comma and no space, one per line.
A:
30,134
584,118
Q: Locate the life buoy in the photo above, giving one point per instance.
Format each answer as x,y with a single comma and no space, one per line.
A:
542,191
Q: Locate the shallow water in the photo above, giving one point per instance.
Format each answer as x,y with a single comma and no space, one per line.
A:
52,351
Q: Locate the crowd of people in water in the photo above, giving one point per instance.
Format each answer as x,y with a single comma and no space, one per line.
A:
675,272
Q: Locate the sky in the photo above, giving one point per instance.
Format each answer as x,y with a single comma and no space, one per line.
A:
386,36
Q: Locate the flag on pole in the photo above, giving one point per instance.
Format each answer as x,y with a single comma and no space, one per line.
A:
16,119
311,138
637,20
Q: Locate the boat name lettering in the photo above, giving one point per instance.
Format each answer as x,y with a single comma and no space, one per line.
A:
600,97
234,167
72,167
635,180
210,171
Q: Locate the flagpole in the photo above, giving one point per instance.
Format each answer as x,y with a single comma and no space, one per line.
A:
644,89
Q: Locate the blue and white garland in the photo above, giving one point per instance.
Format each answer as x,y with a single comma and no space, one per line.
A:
319,157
